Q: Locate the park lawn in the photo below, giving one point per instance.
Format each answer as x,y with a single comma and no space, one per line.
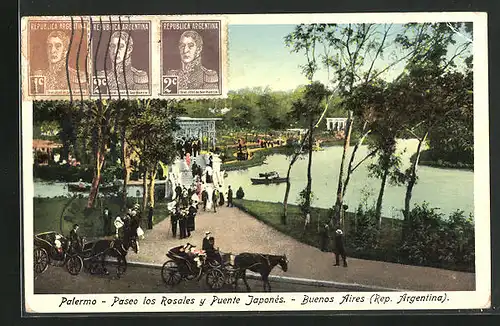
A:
271,213
60,213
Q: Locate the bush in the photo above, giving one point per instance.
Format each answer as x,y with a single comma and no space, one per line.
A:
65,173
240,193
436,241
364,235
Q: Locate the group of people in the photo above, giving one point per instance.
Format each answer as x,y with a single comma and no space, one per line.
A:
189,251
130,221
191,146
186,208
217,197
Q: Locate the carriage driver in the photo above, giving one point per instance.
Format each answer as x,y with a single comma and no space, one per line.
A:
74,238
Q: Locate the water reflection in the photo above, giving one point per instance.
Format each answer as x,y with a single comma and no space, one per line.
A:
444,188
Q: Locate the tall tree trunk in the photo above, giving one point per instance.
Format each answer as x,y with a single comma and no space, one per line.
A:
309,166
340,194
411,183
151,190
125,166
351,161
378,207
145,189
94,189
287,193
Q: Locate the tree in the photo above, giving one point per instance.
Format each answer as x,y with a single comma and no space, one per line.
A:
152,126
432,87
352,52
309,108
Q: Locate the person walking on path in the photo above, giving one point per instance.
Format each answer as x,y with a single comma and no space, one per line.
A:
215,198
204,199
325,238
106,217
150,217
221,196
174,218
340,247
229,196
182,225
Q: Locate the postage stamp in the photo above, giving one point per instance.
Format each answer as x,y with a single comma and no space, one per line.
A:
191,58
121,58
239,204
57,58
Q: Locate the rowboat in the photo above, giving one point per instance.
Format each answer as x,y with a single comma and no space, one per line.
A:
83,187
258,181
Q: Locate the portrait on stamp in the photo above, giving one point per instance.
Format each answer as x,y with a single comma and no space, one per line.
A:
191,58
57,58
122,58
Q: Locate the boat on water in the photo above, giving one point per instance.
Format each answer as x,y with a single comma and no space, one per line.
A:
268,178
83,187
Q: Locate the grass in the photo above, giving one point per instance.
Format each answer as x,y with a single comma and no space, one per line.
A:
271,214
387,250
48,212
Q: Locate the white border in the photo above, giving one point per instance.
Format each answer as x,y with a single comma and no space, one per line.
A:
479,299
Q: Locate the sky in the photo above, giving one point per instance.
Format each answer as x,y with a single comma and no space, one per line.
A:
258,57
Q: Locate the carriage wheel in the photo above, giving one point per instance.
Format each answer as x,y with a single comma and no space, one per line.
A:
215,279
121,266
40,260
170,273
74,265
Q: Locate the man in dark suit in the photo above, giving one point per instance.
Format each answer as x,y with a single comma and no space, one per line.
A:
229,196
75,239
193,75
174,218
340,247
206,244
182,225
120,52
204,199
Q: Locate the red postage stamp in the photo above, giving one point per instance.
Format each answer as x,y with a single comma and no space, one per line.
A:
57,58
121,58
191,58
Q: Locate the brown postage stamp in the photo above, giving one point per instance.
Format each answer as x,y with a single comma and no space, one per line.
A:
191,58
121,58
56,54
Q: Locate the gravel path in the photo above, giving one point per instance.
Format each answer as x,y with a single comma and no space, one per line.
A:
237,232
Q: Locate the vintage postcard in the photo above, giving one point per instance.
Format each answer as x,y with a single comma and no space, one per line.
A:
228,163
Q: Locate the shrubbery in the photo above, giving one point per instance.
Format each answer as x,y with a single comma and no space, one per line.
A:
63,173
434,240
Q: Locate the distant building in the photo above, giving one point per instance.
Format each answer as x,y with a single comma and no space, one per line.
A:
336,124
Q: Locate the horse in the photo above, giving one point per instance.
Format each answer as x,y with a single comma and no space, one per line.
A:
259,263
116,248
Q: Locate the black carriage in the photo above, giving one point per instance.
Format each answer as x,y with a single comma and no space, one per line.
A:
52,248
220,275
181,267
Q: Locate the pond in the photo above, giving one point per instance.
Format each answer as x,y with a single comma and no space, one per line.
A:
447,189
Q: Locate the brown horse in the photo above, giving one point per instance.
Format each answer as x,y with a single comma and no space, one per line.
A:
259,263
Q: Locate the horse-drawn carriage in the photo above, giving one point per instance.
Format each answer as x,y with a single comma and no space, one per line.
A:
52,248
193,265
